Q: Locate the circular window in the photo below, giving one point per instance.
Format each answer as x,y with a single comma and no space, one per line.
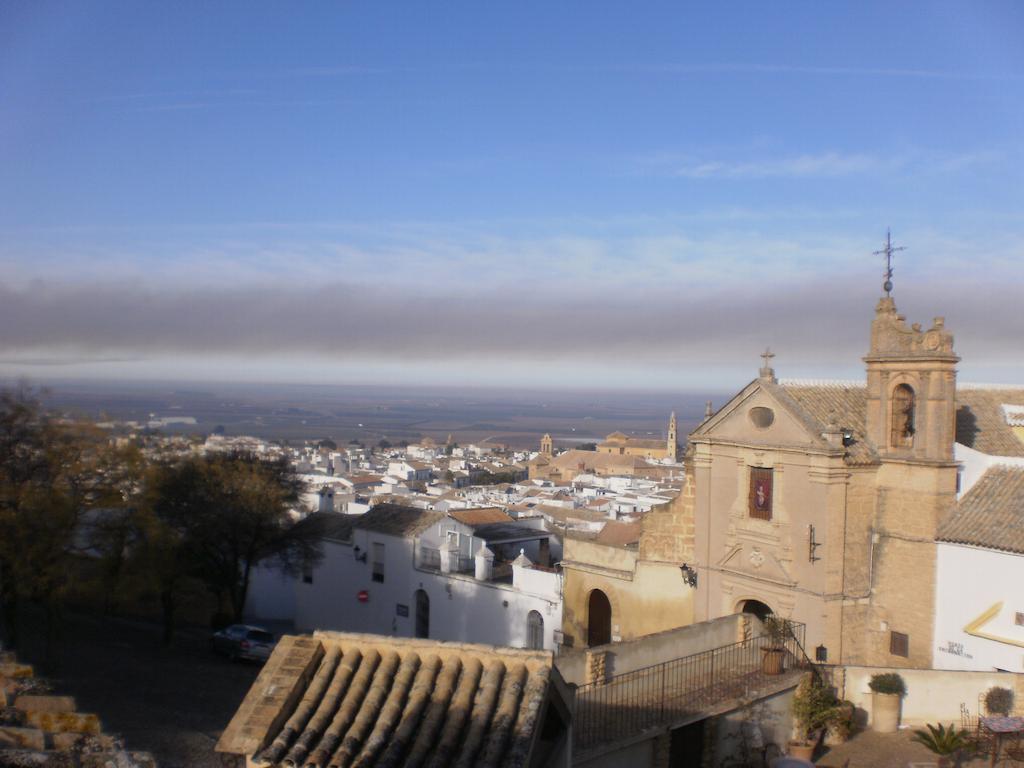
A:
762,417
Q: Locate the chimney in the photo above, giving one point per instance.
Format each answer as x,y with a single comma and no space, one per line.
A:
446,556
326,499
484,563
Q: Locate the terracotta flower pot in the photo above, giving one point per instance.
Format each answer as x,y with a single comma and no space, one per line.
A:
801,749
885,712
773,660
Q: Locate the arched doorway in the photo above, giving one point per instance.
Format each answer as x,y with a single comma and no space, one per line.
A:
757,608
422,614
535,631
599,619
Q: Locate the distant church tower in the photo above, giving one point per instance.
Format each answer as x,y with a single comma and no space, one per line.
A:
672,447
546,446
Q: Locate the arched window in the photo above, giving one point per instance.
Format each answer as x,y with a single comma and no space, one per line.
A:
422,614
599,619
535,631
902,432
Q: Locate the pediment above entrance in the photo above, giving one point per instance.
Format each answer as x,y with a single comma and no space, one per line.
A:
757,562
762,414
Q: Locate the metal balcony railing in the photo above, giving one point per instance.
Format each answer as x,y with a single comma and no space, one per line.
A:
681,689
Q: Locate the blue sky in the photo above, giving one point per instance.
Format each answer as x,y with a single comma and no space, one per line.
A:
562,194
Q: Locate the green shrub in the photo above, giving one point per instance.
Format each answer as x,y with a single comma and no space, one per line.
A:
888,682
999,701
814,707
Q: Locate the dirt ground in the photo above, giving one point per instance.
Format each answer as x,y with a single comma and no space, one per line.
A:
173,702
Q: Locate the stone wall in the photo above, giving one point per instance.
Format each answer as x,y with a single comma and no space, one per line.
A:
41,729
668,529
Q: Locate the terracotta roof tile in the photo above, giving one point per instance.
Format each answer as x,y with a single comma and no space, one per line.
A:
369,700
398,520
482,516
981,422
991,514
844,401
620,534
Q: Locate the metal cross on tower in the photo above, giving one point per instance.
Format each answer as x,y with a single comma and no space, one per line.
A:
767,356
888,250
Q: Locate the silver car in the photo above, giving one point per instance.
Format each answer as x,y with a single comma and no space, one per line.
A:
243,641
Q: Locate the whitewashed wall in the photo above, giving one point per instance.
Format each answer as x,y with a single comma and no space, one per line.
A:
933,695
969,581
461,608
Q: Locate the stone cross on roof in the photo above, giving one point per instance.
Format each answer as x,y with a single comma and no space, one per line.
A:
767,372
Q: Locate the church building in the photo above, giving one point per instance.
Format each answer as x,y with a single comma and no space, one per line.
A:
820,501
620,444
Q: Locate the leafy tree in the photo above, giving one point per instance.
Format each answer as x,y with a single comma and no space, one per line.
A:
384,444
328,444
50,475
220,515
586,447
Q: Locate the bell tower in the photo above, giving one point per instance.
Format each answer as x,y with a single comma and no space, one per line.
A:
546,445
910,422
672,446
911,387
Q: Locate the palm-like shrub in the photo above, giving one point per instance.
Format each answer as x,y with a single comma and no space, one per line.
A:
942,740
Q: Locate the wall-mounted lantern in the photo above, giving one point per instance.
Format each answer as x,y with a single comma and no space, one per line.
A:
689,575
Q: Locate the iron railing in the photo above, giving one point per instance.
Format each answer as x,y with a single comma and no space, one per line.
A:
429,559
674,691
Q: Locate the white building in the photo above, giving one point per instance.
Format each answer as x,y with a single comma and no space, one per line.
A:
468,575
979,616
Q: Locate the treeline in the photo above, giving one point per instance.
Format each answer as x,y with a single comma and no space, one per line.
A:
82,518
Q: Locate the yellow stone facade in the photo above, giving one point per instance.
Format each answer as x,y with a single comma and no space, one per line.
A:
861,474
645,585
861,477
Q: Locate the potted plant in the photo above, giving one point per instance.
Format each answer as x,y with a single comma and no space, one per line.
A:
841,724
999,701
773,654
887,692
949,744
814,707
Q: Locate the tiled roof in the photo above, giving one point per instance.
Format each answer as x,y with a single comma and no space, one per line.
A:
398,520
333,526
340,699
482,516
571,459
620,534
981,420
991,514
843,401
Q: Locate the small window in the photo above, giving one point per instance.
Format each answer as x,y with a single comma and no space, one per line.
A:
378,562
760,502
1018,619
899,644
821,654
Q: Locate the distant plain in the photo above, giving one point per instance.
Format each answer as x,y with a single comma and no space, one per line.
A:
369,414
